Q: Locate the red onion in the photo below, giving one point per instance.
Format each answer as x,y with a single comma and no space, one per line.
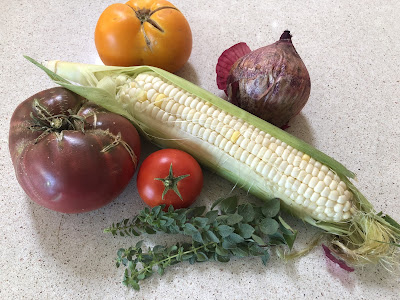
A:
271,82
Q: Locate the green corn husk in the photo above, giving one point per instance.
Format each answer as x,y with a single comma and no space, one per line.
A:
368,238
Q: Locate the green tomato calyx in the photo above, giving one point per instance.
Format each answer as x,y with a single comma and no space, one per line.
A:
171,182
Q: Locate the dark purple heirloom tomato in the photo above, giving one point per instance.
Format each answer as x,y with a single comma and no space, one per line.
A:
70,155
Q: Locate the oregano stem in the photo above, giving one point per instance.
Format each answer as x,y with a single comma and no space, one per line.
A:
191,250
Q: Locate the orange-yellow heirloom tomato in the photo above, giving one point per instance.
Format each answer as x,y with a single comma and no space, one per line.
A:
143,32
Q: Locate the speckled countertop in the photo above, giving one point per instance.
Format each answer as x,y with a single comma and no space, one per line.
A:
352,51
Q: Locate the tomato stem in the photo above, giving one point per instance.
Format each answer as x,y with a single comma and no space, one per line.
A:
119,141
47,122
171,183
144,15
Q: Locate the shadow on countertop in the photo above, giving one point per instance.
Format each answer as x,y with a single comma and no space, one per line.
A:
189,73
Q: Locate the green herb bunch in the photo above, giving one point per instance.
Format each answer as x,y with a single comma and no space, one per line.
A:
233,230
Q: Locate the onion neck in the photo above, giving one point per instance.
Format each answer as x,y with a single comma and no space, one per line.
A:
286,36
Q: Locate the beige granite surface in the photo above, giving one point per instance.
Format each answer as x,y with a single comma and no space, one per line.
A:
352,51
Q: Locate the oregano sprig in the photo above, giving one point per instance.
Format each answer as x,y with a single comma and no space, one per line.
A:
217,234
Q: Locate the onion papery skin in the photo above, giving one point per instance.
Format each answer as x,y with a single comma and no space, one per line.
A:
271,82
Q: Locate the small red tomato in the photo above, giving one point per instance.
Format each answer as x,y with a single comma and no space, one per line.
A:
170,177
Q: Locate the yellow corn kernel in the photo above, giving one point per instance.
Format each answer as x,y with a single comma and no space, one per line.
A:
159,99
235,136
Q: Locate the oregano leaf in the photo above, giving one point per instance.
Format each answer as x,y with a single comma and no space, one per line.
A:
247,212
245,230
168,221
288,233
258,215
197,237
200,222
192,260
223,259
271,208
240,251
200,256
221,251
228,244
284,224
120,252
174,229
257,239
124,261
134,285
189,229
149,230
222,218
180,216
212,216
187,256
160,270
158,249
269,226
256,250
216,203
265,257
210,236
235,238
234,219
277,238
229,205
289,239
225,230
134,232
195,212
156,210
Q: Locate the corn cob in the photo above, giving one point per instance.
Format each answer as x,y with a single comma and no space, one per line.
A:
281,170
253,154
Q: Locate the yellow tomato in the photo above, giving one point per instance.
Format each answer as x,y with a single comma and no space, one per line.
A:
143,32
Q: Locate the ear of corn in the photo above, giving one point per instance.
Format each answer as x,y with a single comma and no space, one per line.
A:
248,151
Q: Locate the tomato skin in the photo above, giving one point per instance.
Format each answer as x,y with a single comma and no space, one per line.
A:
68,172
120,38
157,165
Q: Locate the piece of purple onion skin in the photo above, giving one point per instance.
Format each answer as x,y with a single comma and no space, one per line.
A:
271,82
226,61
339,262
